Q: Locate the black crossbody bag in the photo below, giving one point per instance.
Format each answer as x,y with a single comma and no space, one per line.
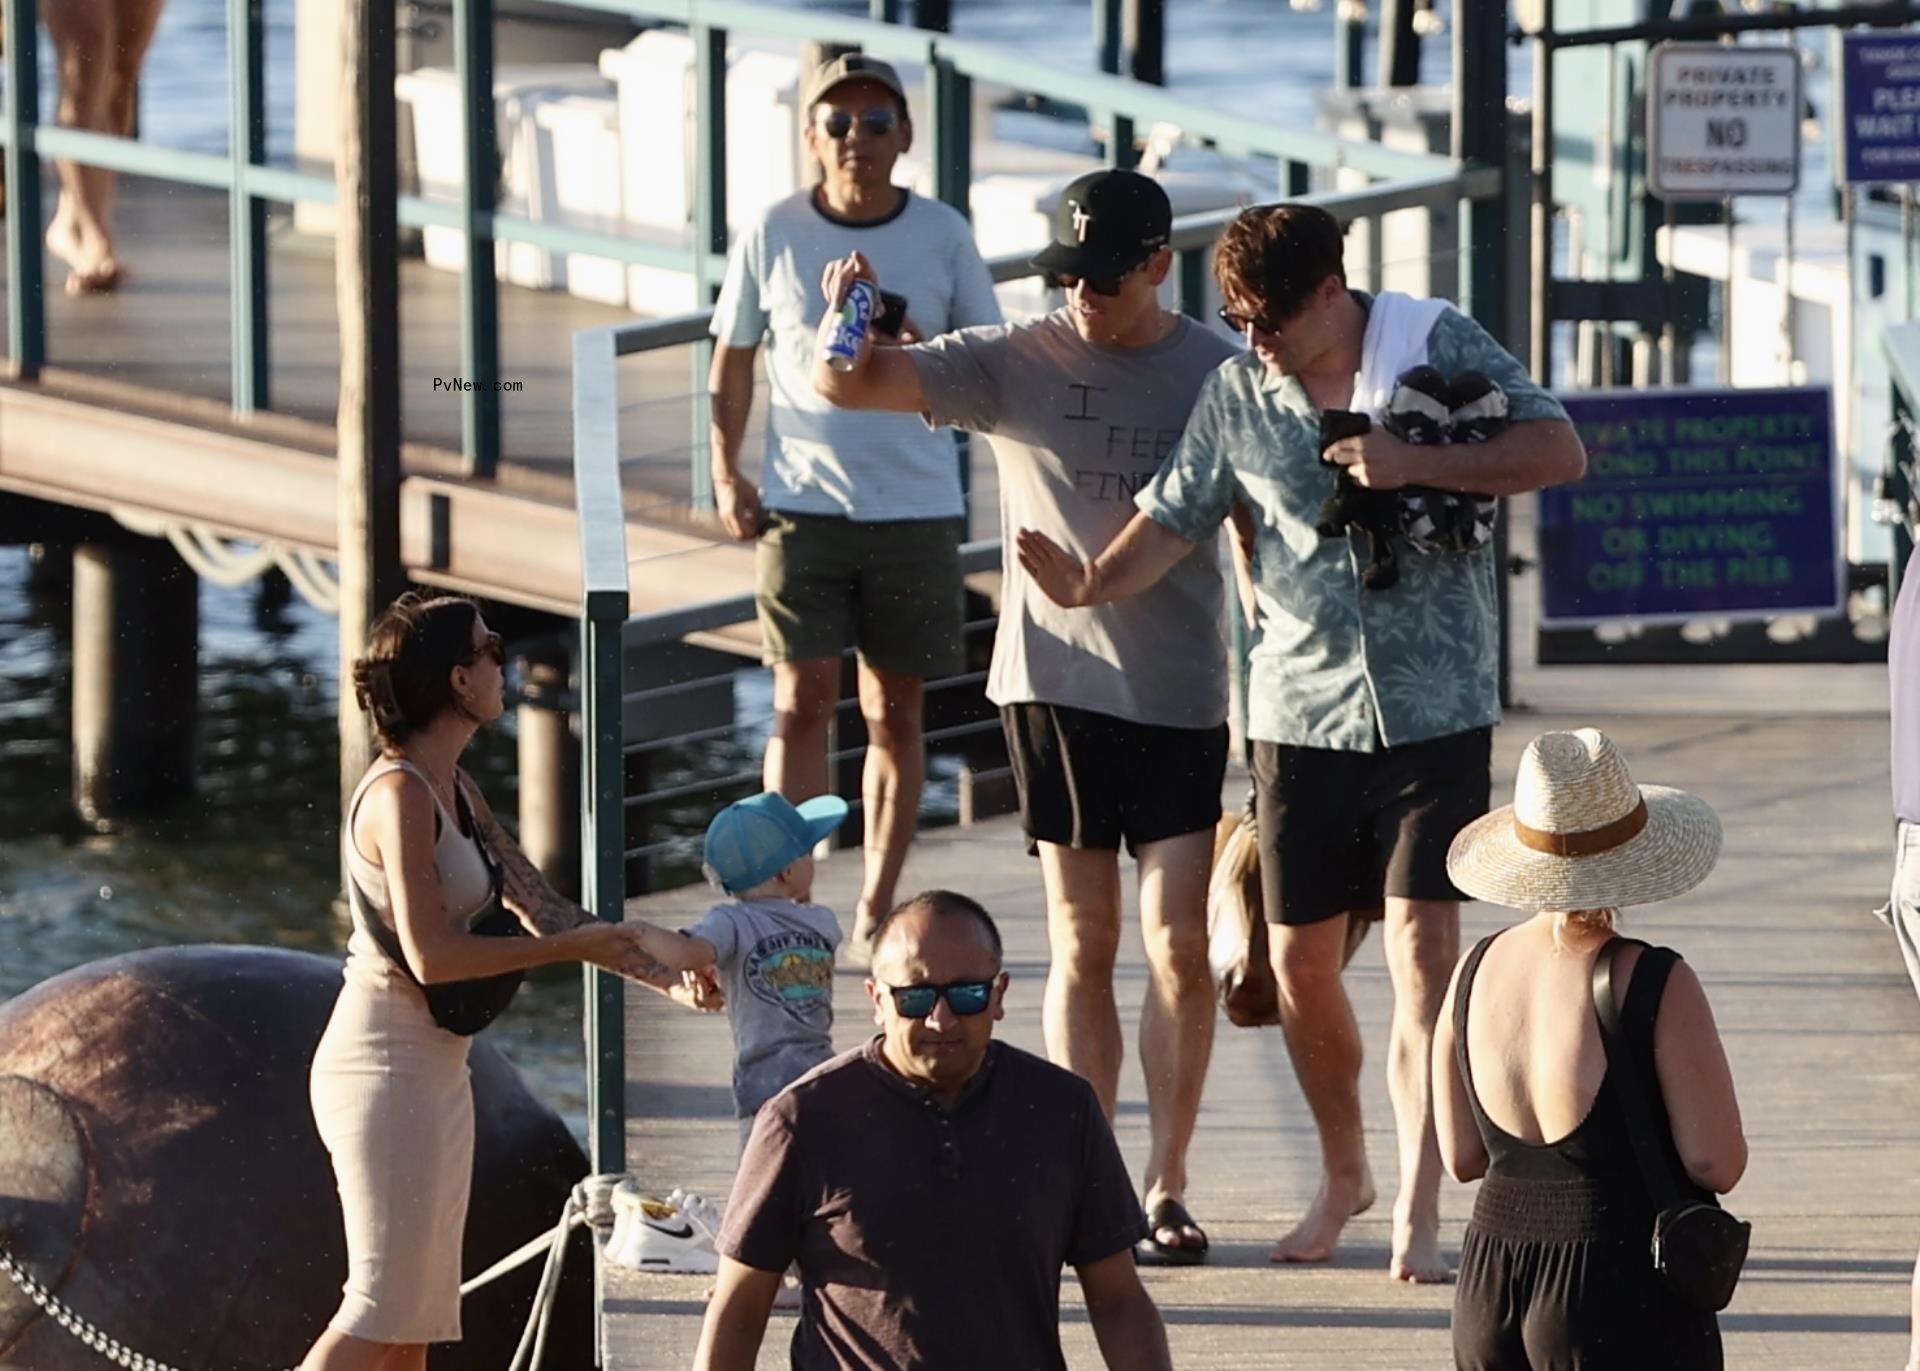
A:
462,1007
1698,1247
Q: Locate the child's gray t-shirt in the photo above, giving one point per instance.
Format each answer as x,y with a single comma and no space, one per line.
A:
775,959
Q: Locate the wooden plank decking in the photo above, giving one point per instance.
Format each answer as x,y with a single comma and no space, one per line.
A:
1819,1019
148,366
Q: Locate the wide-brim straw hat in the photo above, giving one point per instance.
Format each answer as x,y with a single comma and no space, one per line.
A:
1581,835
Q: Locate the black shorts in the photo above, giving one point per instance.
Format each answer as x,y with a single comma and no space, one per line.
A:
1091,780
1341,830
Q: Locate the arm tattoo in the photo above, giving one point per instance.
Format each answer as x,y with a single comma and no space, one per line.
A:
545,911
524,890
638,966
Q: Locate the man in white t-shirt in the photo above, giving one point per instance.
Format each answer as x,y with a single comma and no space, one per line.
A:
859,516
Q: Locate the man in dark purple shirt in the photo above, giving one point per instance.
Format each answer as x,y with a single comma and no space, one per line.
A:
931,1184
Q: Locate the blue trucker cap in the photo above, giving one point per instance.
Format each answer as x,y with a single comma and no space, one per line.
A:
754,840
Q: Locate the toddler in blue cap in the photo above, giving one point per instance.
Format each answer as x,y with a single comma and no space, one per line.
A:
769,944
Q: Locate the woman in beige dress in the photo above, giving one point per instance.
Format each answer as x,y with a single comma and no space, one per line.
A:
390,1088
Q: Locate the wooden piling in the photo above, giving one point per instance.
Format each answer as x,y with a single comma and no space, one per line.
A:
136,630
367,287
549,778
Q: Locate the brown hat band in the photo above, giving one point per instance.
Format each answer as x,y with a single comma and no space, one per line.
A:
1589,842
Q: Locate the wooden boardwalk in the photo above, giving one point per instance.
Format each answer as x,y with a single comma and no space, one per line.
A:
132,415
1819,1020
167,332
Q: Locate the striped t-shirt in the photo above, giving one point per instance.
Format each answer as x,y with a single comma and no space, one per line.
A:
823,460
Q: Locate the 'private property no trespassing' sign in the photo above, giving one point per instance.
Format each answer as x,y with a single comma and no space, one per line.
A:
1723,120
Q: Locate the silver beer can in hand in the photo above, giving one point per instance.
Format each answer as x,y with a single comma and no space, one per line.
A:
851,324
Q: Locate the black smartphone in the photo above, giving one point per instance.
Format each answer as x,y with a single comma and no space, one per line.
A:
1336,424
892,316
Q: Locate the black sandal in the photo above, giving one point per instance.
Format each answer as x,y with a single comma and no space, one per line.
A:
1150,1251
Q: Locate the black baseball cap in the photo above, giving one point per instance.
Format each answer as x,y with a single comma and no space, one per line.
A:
1107,223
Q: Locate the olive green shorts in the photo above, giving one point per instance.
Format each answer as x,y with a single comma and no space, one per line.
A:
892,589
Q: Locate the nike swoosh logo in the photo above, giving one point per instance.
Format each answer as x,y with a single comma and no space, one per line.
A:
685,1230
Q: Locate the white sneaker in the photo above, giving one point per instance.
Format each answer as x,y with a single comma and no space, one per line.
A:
701,1210
674,1235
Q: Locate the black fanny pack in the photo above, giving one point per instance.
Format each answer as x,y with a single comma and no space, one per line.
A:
1698,1248
462,1007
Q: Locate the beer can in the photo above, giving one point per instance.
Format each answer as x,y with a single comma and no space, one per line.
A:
851,324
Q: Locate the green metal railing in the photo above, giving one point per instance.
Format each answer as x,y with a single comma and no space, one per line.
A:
605,628
603,617
952,65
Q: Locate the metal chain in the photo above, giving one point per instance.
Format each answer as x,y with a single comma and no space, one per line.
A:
590,1202
109,1347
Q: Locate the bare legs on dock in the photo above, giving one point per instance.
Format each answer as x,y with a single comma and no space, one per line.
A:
1081,1018
805,695
1423,940
99,45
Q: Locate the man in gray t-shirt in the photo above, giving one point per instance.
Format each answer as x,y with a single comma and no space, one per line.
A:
1115,720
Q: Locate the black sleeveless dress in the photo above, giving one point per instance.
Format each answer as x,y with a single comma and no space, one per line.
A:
1555,1271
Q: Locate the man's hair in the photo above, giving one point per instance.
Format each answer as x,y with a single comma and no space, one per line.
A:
1277,255
943,904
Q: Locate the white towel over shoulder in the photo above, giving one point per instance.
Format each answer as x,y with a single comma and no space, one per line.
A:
1398,327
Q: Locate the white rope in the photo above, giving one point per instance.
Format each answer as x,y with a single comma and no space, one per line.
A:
210,559
224,563
519,1257
317,586
590,1203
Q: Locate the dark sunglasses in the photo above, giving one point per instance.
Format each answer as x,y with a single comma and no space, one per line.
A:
875,123
1108,286
494,647
965,998
1240,323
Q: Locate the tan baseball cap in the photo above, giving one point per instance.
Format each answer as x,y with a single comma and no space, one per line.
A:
852,66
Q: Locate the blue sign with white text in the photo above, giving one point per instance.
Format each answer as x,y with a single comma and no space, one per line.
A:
1880,100
1696,504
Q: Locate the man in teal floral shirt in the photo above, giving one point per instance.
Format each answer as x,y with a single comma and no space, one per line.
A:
1370,711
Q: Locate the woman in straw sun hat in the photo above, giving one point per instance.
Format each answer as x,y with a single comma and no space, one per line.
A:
1555,1270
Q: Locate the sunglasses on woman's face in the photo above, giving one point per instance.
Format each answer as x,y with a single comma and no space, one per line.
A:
493,647
875,123
965,998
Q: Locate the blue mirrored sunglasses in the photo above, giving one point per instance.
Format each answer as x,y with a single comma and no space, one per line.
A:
965,998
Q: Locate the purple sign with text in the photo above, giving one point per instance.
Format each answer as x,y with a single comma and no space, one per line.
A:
1880,106
1696,504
